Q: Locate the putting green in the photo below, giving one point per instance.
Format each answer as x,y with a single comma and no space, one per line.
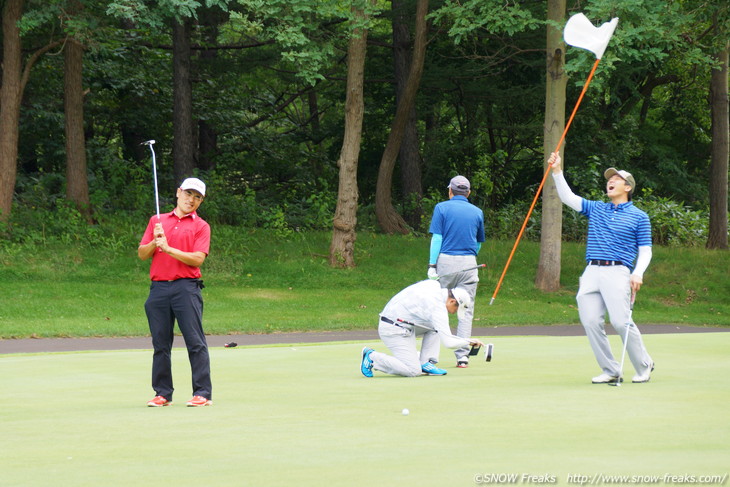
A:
304,415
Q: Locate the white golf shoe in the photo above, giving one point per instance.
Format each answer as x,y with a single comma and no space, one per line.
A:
606,379
644,377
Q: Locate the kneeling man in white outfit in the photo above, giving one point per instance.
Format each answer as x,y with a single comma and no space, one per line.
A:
420,310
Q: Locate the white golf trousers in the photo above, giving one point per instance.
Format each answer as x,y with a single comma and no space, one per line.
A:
607,289
406,360
447,264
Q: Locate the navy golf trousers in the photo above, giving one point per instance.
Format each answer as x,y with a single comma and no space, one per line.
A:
170,300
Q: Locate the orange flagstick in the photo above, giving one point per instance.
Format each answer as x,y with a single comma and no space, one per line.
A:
579,32
542,183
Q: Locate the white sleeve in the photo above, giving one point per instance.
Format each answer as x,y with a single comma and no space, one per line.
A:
453,341
449,340
642,261
566,195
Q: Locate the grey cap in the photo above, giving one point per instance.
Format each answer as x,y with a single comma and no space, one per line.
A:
459,185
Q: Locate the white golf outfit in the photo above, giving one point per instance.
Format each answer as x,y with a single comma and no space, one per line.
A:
423,305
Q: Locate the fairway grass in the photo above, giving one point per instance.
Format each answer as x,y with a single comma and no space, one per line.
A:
258,283
304,415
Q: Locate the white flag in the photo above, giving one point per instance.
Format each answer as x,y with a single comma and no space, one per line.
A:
580,32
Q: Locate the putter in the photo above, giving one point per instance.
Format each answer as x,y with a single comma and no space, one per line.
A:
474,349
463,270
150,143
629,324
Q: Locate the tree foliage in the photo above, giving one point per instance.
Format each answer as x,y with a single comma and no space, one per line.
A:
274,95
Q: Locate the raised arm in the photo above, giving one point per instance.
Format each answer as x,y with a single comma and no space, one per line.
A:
564,192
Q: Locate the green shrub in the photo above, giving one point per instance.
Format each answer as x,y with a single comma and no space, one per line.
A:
42,215
228,203
673,223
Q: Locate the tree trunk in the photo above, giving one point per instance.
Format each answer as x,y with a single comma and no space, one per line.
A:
77,182
207,145
209,20
183,148
409,154
313,105
11,93
548,269
717,238
317,161
342,247
390,221
14,79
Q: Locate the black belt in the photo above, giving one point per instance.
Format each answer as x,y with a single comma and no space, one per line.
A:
605,262
391,322
194,279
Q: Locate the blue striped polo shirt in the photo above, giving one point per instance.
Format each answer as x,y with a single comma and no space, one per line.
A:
615,232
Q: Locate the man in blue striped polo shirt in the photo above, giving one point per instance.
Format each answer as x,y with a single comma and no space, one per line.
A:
618,252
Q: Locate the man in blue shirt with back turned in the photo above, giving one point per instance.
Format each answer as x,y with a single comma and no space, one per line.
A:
457,229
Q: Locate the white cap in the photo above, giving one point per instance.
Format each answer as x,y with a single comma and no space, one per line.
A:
464,300
194,183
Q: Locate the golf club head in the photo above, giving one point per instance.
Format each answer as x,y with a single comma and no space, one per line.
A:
617,383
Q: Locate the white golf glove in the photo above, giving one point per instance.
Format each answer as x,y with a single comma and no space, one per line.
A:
432,273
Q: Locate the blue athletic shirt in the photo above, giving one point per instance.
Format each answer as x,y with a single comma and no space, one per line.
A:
461,225
615,232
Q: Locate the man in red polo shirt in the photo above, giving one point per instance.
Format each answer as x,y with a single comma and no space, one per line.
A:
178,243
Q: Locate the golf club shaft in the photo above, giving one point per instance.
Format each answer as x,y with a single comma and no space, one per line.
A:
150,143
629,324
423,327
463,270
623,355
415,324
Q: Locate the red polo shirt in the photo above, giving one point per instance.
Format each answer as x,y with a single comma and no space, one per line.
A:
189,234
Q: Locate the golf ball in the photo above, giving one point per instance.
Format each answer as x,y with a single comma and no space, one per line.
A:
405,412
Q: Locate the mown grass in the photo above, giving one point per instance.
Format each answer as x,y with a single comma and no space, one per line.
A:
305,416
258,282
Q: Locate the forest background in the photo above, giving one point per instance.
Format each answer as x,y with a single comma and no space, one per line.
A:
301,113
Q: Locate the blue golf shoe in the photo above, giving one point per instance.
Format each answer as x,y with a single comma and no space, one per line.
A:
430,369
366,366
